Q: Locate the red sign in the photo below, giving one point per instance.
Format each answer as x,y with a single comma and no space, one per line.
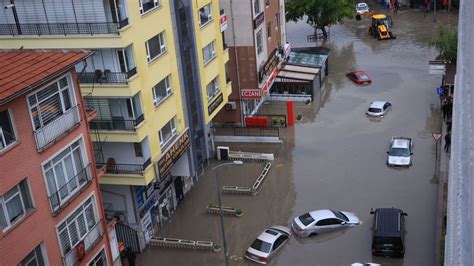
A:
250,94
270,80
436,137
223,22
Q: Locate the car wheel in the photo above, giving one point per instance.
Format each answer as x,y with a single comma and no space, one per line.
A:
312,234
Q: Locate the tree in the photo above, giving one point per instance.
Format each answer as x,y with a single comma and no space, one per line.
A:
447,44
319,13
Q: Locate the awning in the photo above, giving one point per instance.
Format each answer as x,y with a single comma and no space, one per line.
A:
300,73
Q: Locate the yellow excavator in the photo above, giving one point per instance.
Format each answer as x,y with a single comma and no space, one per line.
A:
380,26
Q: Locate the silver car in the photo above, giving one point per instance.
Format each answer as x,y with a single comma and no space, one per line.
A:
268,243
378,108
362,8
400,152
322,221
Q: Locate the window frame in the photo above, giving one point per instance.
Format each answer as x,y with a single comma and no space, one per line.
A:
99,253
41,250
156,4
259,47
209,16
217,88
172,123
25,209
169,90
269,30
211,45
162,43
15,133
256,4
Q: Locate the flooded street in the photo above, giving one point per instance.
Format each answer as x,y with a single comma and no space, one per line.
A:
333,158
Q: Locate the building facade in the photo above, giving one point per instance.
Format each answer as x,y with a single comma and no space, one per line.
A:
256,39
154,83
50,203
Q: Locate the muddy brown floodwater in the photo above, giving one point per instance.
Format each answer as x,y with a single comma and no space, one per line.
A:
334,158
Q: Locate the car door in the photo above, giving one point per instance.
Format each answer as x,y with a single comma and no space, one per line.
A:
323,225
336,224
278,244
386,107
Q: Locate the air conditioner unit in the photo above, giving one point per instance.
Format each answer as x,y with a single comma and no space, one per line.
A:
141,10
155,102
213,53
209,17
148,58
156,2
230,106
163,49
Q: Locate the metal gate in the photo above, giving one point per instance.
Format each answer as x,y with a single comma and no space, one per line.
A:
128,236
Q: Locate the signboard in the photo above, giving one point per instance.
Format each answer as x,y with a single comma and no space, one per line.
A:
267,68
214,104
258,20
250,94
440,91
223,22
270,80
172,155
436,137
437,67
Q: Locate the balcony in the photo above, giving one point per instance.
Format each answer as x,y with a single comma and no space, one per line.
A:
40,29
106,77
59,199
90,240
116,124
51,132
116,168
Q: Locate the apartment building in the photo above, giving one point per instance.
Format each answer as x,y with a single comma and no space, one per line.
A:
155,83
50,203
256,39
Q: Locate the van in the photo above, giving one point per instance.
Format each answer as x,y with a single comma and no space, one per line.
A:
388,232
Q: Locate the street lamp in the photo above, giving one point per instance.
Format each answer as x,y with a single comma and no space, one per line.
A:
226,255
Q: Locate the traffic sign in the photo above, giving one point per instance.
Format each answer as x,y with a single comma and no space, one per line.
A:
436,137
440,91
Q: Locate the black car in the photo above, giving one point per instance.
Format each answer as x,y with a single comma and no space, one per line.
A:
388,232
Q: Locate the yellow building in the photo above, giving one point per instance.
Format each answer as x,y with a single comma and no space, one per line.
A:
155,81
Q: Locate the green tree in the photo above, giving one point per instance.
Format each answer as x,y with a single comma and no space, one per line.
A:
447,44
319,13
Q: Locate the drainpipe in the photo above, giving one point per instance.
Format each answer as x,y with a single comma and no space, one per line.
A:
236,56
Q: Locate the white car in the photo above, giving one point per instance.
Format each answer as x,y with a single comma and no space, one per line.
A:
362,8
322,221
268,243
378,108
400,152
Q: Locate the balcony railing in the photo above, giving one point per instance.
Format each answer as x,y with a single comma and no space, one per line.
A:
106,77
54,130
90,240
120,168
59,29
61,198
116,124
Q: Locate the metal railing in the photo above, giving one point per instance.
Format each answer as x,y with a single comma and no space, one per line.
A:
257,131
122,168
106,77
128,236
123,23
55,129
116,124
90,240
61,198
59,29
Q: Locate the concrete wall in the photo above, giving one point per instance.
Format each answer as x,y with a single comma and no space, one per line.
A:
241,25
118,198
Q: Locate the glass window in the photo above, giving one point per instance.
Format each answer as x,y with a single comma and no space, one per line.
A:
256,7
99,260
209,52
205,14
15,204
269,29
259,42
146,5
277,20
324,222
167,132
137,146
155,46
35,258
161,90
7,133
306,219
127,61
261,245
213,88
51,102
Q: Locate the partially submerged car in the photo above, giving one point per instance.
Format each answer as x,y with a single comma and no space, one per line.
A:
378,108
268,243
359,77
362,8
388,238
322,221
400,151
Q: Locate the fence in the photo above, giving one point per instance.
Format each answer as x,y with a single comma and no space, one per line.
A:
59,29
128,236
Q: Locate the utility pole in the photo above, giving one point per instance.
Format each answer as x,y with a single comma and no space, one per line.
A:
434,11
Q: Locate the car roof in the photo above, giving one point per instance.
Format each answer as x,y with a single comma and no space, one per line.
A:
377,104
268,236
400,143
359,73
361,5
387,222
322,214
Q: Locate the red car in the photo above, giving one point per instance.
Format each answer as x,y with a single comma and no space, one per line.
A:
359,77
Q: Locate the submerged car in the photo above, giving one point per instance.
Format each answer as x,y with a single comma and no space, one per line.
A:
322,221
362,8
400,151
268,243
359,77
378,108
388,232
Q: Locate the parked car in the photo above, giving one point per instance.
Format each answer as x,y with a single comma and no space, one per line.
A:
268,243
362,8
322,221
400,151
388,238
359,77
378,108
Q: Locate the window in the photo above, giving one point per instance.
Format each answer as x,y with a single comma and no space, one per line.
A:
155,46
35,258
7,133
277,20
267,3
146,5
209,52
51,102
99,260
259,42
213,88
161,90
127,61
256,7
167,132
15,204
324,222
137,146
77,226
65,174
205,14
269,29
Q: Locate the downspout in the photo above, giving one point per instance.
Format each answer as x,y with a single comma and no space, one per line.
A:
236,56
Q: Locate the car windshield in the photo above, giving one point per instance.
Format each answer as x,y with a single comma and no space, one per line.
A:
306,219
363,77
399,152
261,245
340,215
375,110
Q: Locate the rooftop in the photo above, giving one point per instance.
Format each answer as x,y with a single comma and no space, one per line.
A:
24,70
